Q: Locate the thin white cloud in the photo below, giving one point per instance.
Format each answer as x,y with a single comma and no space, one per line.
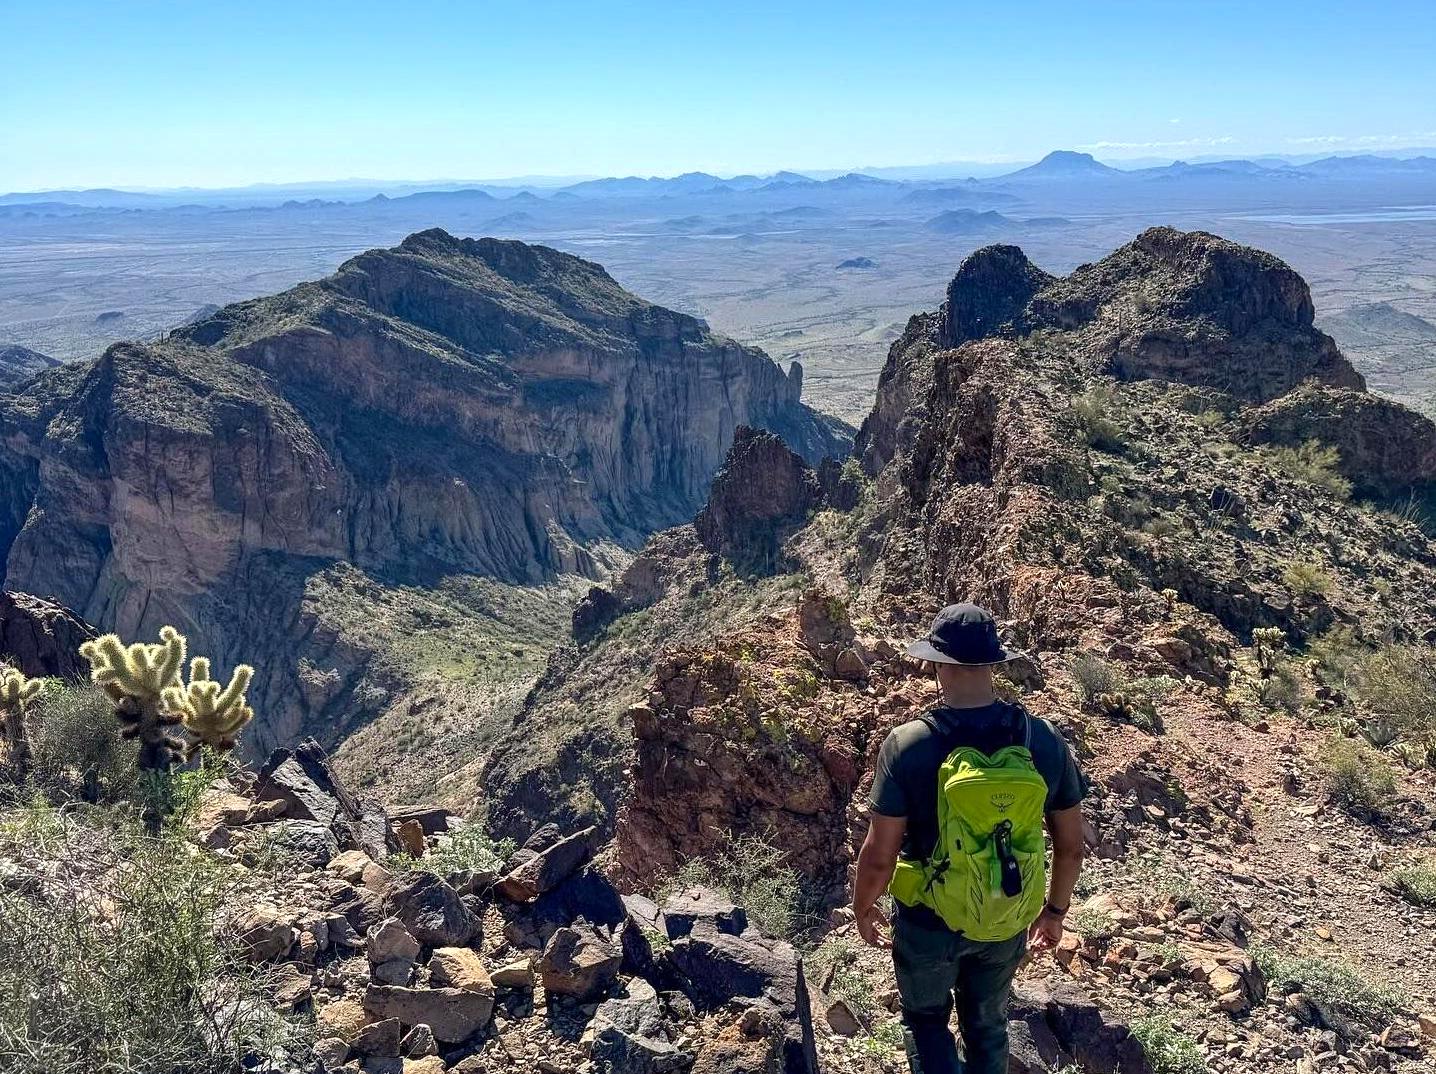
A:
1178,143
1395,141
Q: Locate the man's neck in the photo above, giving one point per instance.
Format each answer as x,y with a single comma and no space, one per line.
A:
975,698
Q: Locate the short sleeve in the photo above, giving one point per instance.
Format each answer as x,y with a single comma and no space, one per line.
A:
1070,786
888,797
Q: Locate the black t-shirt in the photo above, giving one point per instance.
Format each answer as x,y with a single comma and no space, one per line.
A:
905,778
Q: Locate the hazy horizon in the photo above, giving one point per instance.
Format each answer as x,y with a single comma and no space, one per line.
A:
162,96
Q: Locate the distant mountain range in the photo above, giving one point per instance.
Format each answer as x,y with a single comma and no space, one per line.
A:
1067,166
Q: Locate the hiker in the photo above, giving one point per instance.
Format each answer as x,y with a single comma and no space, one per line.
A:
965,863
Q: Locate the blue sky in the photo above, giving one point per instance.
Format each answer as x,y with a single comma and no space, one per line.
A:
202,93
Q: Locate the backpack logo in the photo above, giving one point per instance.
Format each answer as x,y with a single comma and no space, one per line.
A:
1002,801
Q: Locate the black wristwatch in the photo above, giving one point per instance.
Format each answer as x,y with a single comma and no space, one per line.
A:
1055,912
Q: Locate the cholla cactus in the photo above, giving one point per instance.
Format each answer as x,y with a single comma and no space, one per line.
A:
16,693
1268,643
135,678
212,716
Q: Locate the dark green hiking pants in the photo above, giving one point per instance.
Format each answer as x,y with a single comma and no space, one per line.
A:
933,964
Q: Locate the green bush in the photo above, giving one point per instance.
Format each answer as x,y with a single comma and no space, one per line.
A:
1337,988
1306,581
1313,462
467,850
1168,1049
116,962
78,749
1398,684
839,955
1416,884
1358,779
756,876
1097,411
1092,677
1338,656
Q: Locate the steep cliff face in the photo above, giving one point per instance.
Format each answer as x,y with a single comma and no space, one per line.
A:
445,406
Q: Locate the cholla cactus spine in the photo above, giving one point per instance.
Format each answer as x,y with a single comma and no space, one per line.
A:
213,716
135,678
16,693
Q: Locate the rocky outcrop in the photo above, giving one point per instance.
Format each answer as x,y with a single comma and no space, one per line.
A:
761,495
1386,449
41,638
447,405
1198,309
989,295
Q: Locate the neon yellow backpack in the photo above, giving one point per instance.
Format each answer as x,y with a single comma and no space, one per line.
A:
987,877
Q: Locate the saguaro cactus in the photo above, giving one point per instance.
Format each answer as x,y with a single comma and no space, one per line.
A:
16,693
135,678
213,716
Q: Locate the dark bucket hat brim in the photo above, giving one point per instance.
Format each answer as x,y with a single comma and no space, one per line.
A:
922,649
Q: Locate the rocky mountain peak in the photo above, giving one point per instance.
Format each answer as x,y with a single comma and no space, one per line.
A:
989,294
449,405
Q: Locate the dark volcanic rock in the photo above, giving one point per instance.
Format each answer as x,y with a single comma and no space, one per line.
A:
303,779
763,492
41,638
989,294
432,911
1386,448
1195,308
447,405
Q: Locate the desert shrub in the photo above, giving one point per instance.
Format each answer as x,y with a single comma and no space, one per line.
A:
113,958
467,850
78,749
1168,1049
1416,883
1092,924
1281,689
1357,779
1092,677
1098,411
1305,580
1398,684
838,955
1337,655
755,875
1334,986
1313,462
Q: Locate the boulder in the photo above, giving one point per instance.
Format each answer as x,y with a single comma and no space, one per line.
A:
265,932
460,967
305,840
715,967
379,1039
516,974
418,1043
41,638
544,870
684,909
304,783
391,940
578,962
1068,1017
452,1014
628,1034
433,911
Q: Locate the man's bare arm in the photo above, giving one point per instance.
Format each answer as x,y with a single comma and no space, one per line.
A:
1065,827
876,861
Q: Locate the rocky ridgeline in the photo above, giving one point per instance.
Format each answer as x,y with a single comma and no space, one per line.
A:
1155,469
448,405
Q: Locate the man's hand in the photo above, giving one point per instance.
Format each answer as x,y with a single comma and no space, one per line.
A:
1045,933
873,927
